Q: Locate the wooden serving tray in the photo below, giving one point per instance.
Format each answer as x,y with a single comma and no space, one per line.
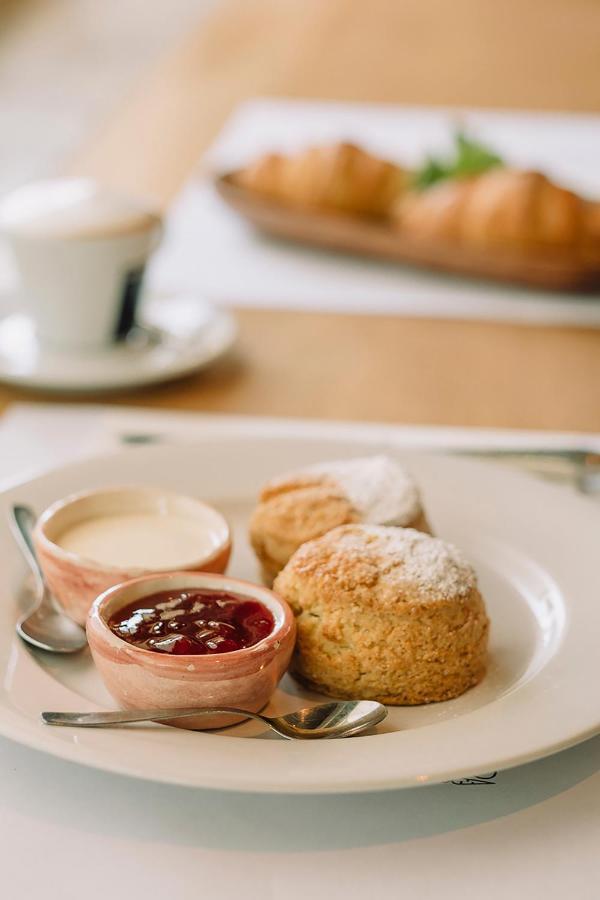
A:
352,234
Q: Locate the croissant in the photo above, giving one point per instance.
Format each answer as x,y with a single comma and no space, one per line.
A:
503,207
337,178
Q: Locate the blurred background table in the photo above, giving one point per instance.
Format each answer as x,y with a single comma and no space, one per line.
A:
539,55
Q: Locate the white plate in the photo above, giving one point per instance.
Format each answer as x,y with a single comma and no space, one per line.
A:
182,334
535,548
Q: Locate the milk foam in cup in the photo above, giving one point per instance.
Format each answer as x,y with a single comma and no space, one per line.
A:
80,250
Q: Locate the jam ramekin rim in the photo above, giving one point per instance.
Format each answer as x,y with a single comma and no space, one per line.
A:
95,617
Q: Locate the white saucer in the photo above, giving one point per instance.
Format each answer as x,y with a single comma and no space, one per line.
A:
180,334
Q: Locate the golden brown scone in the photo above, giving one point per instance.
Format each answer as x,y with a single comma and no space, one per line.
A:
336,178
388,614
297,507
503,207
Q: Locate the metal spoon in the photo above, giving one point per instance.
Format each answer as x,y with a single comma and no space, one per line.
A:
44,627
336,719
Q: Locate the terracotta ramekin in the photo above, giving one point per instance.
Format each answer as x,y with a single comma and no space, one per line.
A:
138,678
76,581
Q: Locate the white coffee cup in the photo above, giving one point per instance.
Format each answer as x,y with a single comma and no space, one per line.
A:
80,251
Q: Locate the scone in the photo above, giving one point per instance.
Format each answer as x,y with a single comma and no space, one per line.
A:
302,505
388,614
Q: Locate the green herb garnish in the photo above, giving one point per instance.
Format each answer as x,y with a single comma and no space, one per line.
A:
469,158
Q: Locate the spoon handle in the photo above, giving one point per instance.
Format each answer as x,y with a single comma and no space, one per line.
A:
23,522
122,717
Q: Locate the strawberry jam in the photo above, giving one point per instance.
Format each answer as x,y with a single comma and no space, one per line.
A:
192,621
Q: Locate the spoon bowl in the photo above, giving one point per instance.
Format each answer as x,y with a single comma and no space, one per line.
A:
43,627
336,719
339,718
48,630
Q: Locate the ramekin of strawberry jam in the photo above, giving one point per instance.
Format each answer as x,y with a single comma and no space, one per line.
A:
193,621
182,639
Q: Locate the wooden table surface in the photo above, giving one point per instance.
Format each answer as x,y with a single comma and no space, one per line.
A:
541,54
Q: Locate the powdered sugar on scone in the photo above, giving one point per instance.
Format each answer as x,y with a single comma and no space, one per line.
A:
382,491
409,563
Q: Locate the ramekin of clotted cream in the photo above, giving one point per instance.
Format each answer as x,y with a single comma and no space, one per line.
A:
93,540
